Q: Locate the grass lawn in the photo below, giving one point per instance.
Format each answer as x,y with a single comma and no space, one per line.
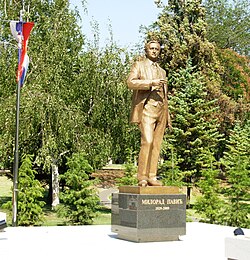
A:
5,187
51,218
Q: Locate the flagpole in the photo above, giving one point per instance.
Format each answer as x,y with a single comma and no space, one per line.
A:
16,156
16,152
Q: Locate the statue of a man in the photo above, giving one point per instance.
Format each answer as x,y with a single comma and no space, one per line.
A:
149,110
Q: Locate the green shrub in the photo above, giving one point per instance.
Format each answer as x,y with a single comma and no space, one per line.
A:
30,193
79,197
129,177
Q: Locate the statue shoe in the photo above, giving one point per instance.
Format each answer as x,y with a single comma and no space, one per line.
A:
154,182
143,183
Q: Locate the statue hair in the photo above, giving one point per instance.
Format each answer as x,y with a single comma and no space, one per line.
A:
149,42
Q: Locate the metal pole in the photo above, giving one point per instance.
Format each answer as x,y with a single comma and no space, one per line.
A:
16,153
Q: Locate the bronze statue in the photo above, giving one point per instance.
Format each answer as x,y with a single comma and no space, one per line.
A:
149,110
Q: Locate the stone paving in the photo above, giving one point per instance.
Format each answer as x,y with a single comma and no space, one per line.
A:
201,242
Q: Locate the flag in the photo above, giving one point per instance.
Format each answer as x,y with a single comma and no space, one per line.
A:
21,32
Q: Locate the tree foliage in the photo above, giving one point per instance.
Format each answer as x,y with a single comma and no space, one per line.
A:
79,198
181,28
102,95
194,128
30,194
228,24
75,97
236,160
130,173
209,204
236,83
75,100
205,100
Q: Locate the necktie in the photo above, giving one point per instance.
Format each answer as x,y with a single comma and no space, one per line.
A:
155,73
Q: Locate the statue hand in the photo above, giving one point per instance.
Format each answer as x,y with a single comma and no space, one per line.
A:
158,83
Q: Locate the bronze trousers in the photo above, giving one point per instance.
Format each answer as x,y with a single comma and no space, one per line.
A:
152,128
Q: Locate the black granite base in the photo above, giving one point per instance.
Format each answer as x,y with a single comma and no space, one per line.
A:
148,217
3,224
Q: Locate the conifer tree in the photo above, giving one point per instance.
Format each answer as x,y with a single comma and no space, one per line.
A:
194,130
30,194
237,166
209,204
169,170
79,198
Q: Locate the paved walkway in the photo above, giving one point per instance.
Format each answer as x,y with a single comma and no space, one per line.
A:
105,196
202,242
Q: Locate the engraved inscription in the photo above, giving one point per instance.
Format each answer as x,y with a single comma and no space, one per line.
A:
153,202
175,201
162,202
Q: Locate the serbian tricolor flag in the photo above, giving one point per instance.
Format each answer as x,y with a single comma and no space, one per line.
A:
21,32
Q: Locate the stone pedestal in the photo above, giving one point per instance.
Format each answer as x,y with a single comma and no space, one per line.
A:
148,214
237,248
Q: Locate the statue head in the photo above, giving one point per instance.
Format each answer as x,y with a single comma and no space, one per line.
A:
152,50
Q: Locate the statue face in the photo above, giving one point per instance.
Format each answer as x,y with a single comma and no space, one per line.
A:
153,51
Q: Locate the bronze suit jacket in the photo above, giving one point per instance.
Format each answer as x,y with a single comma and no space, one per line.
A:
140,80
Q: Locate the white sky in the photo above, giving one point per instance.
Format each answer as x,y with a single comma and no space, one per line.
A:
125,17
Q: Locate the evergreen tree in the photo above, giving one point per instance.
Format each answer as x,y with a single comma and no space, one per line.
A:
209,204
30,193
169,170
194,130
79,197
129,177
236,160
